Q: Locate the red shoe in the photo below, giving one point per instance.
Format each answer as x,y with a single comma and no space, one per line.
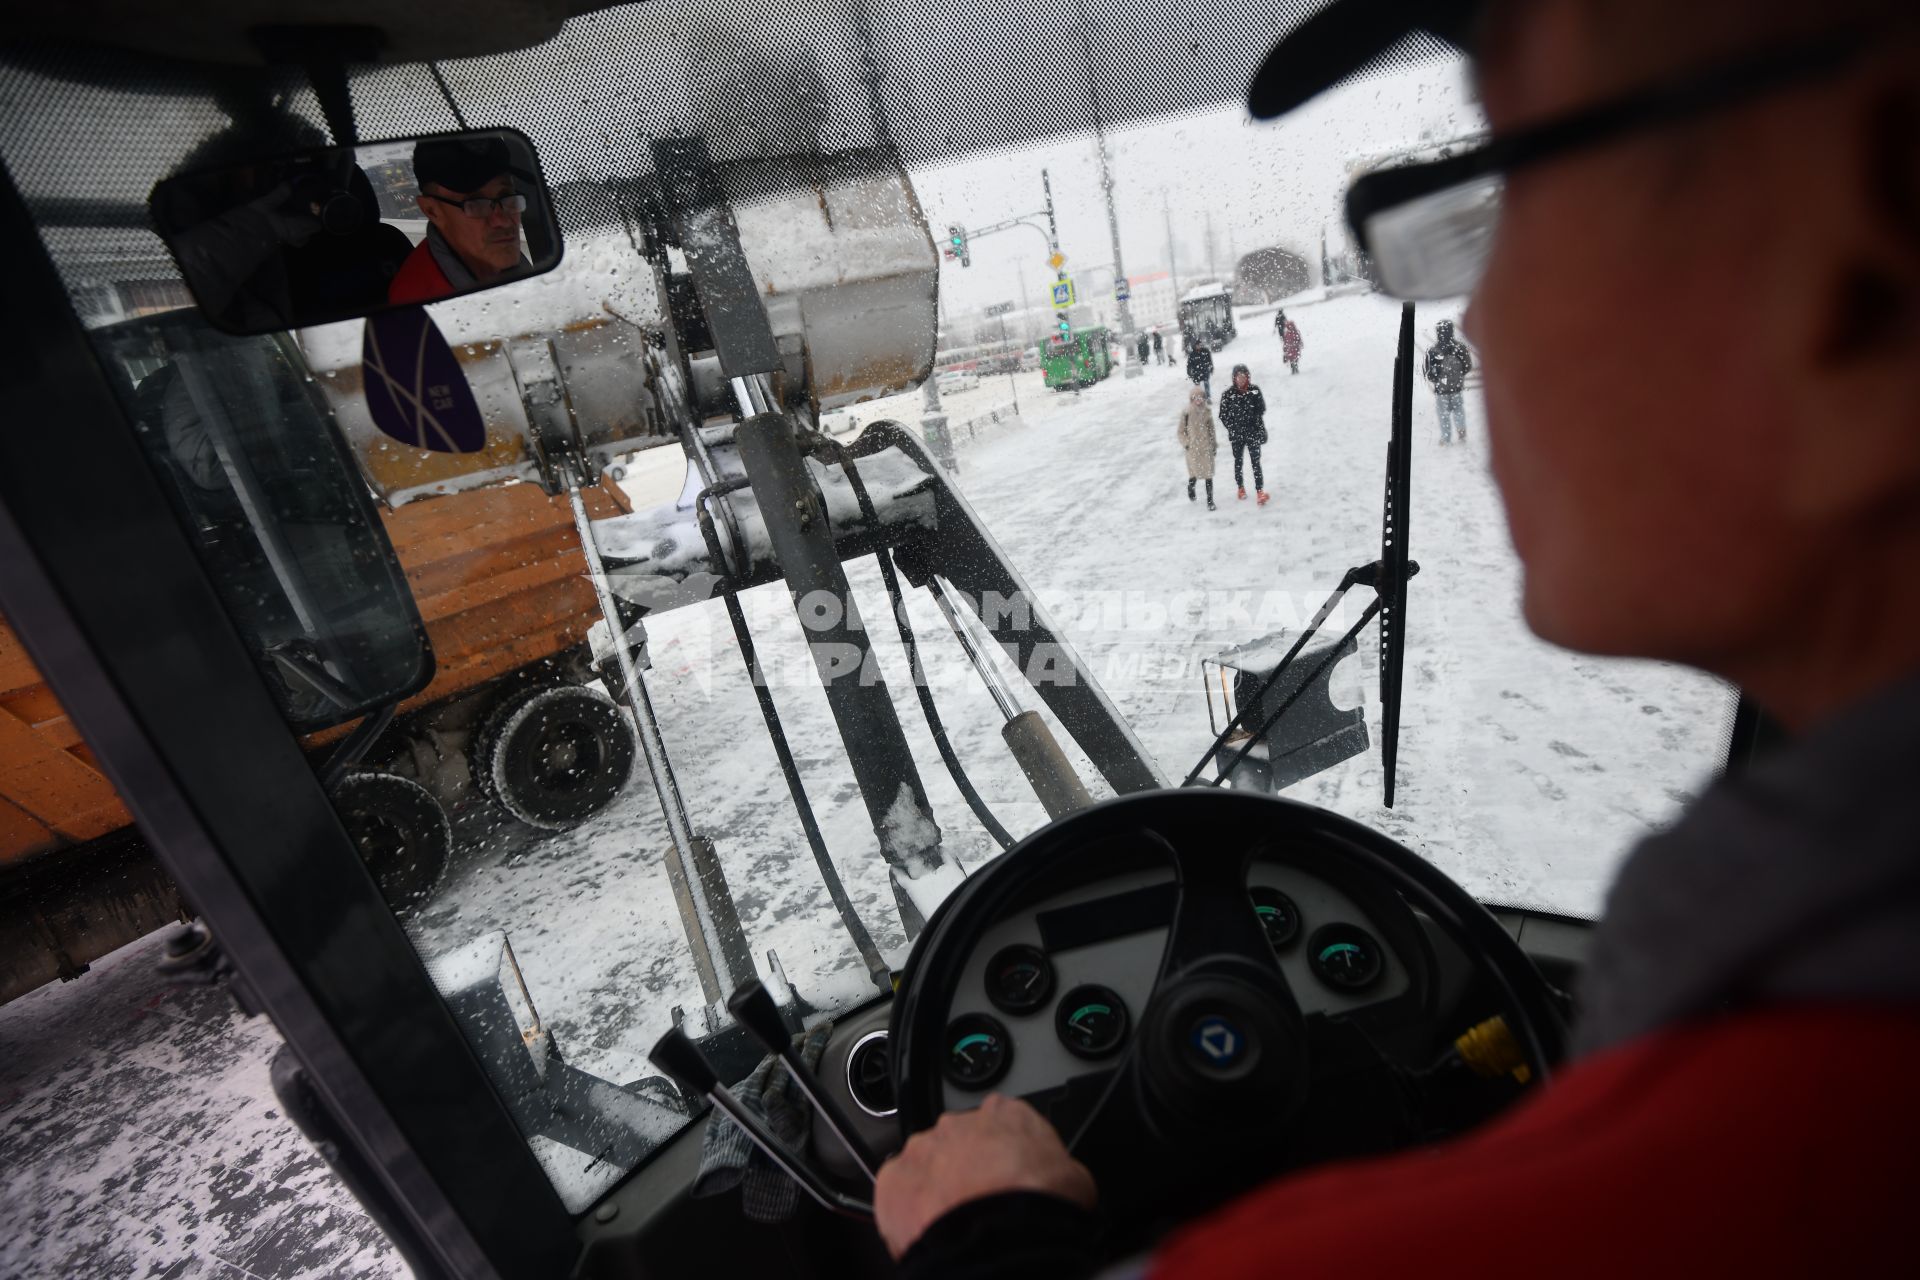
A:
1264,495
1242,495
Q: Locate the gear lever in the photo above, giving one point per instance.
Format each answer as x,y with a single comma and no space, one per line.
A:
681,1058
752,1006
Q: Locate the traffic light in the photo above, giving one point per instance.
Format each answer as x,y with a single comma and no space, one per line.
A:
957,244
1066,329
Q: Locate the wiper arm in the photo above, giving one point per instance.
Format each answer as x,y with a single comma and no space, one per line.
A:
1366,575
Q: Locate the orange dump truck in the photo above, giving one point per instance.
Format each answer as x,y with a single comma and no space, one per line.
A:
499,580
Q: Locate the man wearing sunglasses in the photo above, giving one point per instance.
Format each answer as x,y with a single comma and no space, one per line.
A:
473,215
1733,482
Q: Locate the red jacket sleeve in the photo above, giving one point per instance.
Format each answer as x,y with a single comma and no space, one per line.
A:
419,279
1784,1143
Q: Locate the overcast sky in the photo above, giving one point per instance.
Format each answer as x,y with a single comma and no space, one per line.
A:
1264,183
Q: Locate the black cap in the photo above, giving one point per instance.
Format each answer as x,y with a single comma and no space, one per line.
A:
464,163
1342,38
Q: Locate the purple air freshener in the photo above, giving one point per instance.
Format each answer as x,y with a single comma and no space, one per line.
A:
415,388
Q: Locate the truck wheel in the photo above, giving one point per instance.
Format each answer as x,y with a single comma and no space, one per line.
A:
554,757
402,833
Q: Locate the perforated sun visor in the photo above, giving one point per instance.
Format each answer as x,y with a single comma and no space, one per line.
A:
1349,36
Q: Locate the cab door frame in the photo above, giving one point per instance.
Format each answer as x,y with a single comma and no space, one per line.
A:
104,589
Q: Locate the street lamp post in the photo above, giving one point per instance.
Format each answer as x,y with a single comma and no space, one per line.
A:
933,425
1106,171
1013,387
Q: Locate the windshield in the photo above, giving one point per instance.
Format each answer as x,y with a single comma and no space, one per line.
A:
600,828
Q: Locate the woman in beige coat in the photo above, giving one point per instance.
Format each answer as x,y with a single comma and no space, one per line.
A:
1196,437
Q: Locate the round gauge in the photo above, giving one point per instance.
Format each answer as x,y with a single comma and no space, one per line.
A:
1091,1021
1278,916
1019,979
870,1075
1345,957
979,1051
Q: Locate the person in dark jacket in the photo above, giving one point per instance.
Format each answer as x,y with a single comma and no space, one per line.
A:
1447,367
1143,345
1159,348
1243,412
1200,365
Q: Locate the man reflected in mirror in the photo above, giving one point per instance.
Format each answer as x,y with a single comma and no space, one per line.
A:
473,209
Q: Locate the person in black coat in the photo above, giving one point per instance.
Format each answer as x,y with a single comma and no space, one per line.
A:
1159,349
1200,365
1243,412
1142,345
1447,367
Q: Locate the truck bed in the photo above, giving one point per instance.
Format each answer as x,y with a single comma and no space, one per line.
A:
500,583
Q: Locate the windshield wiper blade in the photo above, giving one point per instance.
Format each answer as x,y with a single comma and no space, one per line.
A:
1395,567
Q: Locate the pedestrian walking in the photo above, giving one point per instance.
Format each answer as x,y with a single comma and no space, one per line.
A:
1200,365
1289,339
1447,367
1197,439
1159,348
1243,412
1142,346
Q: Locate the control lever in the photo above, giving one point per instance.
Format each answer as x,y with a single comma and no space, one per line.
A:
681,1059
752,1006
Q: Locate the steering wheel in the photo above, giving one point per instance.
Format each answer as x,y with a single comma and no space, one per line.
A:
1224,1081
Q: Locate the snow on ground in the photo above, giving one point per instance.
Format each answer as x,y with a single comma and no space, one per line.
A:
1525,771
140,1136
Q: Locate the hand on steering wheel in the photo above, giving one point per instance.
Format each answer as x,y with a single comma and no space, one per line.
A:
1002,1145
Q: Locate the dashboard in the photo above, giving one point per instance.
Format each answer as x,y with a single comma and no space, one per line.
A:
1054,992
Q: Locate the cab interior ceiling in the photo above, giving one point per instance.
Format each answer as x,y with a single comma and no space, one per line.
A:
934,80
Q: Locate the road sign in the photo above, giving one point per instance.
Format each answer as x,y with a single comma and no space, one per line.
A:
999,309
1120,291
1057,261
1063,293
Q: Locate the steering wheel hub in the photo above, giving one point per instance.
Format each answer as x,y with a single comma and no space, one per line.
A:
1223,1052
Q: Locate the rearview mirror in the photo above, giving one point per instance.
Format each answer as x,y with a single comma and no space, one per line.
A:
313,237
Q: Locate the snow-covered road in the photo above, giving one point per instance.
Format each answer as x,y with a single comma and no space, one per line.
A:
1525,771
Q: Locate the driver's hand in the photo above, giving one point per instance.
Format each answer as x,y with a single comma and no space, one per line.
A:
1003,1145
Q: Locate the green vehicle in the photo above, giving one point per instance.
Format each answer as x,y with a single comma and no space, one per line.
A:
1079,361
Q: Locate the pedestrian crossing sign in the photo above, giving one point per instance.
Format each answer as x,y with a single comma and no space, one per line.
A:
1063,293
